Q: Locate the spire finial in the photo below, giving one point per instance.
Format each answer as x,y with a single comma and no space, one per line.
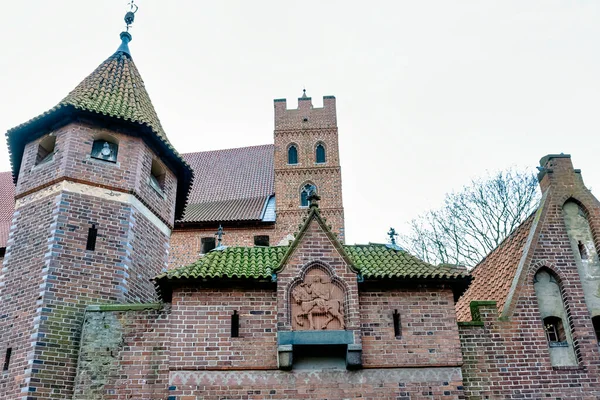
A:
304,96
125,35
130,16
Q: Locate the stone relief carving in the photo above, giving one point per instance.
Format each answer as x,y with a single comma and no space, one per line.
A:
317,303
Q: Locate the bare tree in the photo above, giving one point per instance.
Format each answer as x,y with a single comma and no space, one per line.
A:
474,221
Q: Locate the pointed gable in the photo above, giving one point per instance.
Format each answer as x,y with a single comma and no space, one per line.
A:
115,92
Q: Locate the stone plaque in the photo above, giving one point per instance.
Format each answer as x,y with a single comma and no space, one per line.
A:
317,302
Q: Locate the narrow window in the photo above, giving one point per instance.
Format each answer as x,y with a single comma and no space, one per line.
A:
320,153
91,239
582,251
305,192
7,359
397,327
292,155
596,322
157,176
2,251
555,332
207,244
104,149
45,149
235,324
261,240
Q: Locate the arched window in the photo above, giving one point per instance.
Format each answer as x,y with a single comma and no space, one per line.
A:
292,155
305,193
554,318
320,153
157,176
45,151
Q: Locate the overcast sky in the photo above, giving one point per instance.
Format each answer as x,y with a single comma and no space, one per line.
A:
429,94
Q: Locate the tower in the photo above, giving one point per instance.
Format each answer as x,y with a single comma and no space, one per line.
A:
98,186
307,159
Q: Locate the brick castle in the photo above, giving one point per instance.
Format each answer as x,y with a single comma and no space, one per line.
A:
114,284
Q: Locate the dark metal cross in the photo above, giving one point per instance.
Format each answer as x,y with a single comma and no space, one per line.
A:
219,235
392,234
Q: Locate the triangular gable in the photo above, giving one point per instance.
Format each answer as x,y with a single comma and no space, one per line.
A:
314,216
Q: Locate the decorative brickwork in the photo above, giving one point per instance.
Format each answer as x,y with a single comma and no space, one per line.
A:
306,127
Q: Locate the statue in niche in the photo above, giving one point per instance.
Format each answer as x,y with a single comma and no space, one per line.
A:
317,297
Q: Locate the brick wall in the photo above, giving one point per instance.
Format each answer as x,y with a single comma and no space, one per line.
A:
509,357
186,243
201,329
72,159
124,354
49,276
429,335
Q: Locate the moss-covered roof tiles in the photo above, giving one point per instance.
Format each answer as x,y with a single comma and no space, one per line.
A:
114,91
374,261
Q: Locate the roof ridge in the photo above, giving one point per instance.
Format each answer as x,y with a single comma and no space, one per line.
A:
228,149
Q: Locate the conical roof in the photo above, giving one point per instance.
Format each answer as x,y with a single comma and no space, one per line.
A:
114,91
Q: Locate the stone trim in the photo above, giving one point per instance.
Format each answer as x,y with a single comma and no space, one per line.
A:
89,190
124,307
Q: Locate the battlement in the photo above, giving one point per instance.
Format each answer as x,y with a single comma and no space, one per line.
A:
305,116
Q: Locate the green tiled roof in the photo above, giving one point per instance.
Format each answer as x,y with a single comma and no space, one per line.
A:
232,262
380,261
114,90
374,261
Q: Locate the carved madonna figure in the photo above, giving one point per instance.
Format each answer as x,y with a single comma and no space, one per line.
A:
317,301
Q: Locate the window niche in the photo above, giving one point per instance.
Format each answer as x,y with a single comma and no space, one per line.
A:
320,153
45,151
157,176
596,323
105,148
292,154
261,240
554,319
207,244
584,252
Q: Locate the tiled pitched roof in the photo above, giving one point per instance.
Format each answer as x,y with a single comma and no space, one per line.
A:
114,90
373,261
380,261
7,205
493,276
231,184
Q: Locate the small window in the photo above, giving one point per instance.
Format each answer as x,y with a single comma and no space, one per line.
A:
106,150
555,332
91,239
7,359
292,155
157,176
235,324
305,193
397,326
261,240
45,149
207,244
2,252
320,153
596,322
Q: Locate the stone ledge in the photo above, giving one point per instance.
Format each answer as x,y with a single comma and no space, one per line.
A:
124,307
315,337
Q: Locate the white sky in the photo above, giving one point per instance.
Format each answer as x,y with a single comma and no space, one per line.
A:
429,94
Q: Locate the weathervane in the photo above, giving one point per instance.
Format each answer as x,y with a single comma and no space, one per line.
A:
392,234
130,16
